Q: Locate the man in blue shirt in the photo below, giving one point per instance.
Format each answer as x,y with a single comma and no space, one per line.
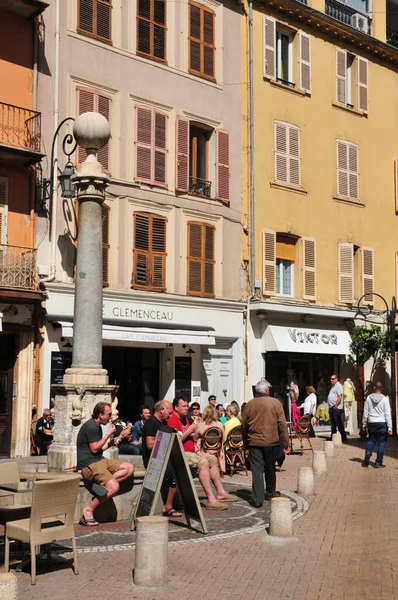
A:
135,446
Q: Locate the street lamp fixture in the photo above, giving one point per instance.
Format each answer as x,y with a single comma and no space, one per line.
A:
65,178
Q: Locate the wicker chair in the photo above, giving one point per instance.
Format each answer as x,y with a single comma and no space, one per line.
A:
51,519
212,443
302,432
234,450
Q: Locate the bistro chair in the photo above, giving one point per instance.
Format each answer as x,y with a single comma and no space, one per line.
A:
51,520
212,443
234,450
302,432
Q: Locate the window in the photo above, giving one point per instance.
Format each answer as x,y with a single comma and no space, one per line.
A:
151,29
93,101
285,255
201,41
283,48
151,146
149,254
201,261
94,19
347,170
356,273
198,148
3,210
105,239
287,153
351,74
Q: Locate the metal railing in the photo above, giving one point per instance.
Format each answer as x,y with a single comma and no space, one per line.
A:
18,267
340,12
392,37
199,187
20,127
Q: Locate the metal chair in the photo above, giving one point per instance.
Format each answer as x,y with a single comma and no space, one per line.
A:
212,443
302,432
234,450
51,520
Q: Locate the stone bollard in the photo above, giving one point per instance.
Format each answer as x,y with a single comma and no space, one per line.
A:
329,449
319,463
336,439
8,586
152,538
306,481
281,519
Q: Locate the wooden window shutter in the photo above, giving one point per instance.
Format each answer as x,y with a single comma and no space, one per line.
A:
294,156
281,151
151,29
182,169
368,274
353,168
104,105
222,165
342,169
269,48
85,103
3,210
160,150
396,183
95,18
201,41
149,252
309,268
269,262
346,272
201,260
305,62
93,101
341,76
362,78
143,144
105,244
158,265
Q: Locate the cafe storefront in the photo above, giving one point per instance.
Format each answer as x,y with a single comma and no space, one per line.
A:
154,346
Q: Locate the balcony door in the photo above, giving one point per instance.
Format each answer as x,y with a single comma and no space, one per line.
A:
7,359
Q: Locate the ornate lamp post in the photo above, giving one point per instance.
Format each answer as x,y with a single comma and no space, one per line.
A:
366,312
86,382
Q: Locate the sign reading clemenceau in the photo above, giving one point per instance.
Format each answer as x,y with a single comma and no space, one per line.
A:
297,339
119,311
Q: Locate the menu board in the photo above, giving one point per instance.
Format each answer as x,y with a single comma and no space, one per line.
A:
183,377
60,361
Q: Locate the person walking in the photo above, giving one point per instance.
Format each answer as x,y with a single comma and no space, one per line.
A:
377,420
335,402
263,422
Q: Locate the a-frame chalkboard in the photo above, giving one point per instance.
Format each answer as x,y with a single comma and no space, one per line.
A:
167,447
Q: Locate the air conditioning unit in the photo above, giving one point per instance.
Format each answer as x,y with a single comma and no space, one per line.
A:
360,22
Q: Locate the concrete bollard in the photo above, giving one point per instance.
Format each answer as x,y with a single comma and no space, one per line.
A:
319,463
281,519
336,439
306,481
151,549
329,449
8,586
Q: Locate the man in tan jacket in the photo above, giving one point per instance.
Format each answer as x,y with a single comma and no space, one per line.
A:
263,427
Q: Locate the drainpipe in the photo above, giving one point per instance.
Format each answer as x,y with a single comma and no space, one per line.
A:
35,60
54,166
251,108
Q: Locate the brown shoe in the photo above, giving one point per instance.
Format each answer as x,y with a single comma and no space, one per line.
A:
275,495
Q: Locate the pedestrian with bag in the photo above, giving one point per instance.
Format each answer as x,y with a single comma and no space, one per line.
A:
377,420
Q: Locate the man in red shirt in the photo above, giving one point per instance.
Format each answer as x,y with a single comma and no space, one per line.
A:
206,464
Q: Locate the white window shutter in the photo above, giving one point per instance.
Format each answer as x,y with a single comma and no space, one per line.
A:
341,76
309,268
269,47
396,183
342,169
353,171
281,152
368,274
269,262
362,78
346,273
294,156
305,62
3,210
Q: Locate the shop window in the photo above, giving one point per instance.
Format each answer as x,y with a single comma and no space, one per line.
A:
201,259
149,253
151,29
95,19
285,255
89,100
201,41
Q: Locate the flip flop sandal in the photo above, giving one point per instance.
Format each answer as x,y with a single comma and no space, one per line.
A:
170,512
216,506
88,522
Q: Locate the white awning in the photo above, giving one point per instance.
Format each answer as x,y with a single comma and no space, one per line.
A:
307,339
154,336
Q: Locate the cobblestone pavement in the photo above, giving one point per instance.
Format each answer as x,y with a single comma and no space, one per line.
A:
345,548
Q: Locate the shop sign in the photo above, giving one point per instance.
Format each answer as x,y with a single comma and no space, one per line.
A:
20,314
123,311
313,337
316,341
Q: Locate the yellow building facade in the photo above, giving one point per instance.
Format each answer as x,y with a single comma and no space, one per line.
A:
325,229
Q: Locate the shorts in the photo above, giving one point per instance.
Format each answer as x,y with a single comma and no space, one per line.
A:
101,471
197,460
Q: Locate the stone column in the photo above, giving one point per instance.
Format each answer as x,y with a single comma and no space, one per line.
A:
86,382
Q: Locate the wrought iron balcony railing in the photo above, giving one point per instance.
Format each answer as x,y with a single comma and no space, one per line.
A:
392,37
18,267
20,127
199,187
342,12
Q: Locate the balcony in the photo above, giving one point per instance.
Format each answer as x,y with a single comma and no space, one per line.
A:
18,267
20,133
392,37
199,187
344,13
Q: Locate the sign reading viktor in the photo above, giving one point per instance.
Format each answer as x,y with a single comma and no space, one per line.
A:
311,340
312,337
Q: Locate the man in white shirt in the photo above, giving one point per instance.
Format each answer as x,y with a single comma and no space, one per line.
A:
335,402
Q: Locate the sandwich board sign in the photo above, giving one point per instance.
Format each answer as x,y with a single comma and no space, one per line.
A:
168,447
